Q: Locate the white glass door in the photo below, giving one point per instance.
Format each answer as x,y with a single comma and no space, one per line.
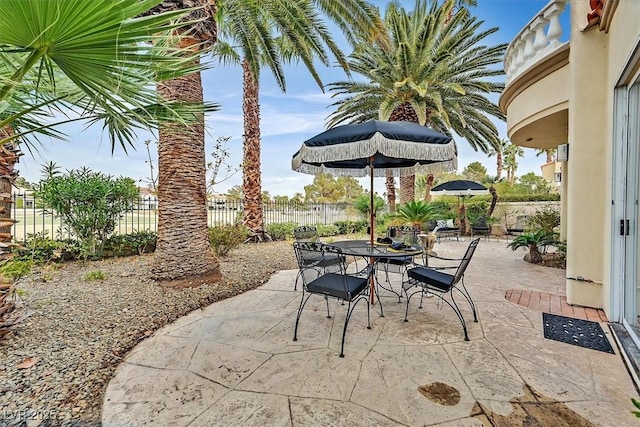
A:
625,242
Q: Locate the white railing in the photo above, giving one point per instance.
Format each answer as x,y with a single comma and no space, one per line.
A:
538,39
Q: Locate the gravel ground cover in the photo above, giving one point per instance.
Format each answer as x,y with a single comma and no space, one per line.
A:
56,365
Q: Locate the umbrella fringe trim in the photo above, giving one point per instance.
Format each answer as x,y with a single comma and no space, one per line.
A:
446,166
378,143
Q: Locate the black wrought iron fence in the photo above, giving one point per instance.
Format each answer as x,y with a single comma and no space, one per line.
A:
32,217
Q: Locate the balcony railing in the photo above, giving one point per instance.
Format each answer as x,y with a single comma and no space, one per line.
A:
540,38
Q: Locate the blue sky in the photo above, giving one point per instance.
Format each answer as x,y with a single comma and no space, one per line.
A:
286,119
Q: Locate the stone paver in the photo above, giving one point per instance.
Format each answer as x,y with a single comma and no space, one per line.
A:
234,363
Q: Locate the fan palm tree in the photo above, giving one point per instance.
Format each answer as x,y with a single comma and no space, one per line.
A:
85,61
432,70
274,41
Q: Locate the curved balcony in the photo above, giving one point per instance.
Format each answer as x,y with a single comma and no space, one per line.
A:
536,95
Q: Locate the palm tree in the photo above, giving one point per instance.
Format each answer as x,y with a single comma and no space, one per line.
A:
183,248
548,152
432,71
90,59
276,41
511,154
498,151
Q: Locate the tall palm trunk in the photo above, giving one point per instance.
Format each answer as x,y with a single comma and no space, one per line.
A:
428,187
407,188
183,247
494,200
499,165
9,156
405,112
390,183
251,174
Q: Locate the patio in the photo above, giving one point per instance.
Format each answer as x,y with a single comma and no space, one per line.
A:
235,363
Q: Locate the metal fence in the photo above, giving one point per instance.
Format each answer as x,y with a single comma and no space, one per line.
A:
142,215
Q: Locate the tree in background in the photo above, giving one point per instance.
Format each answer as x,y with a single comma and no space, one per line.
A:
511,155
431,69
258,36
325,188
475,171
498,151
548,152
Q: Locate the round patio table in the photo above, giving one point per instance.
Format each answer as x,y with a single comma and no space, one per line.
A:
363,249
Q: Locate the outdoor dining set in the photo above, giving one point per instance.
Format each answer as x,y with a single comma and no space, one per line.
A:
348,271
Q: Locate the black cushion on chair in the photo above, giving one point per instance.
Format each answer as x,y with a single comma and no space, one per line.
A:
431,277
397,260
334,285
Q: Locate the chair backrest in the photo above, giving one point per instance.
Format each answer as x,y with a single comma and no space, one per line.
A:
465,260
316,258
403,233
305,233
481,222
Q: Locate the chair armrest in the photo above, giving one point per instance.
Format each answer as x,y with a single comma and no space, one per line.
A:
444,258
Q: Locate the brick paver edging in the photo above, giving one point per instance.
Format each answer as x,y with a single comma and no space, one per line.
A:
555,304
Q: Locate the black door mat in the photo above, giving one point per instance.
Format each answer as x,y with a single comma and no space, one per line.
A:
583,333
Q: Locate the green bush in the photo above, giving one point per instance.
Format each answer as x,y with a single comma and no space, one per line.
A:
281,230
349,227
545,219
89,203
327,230
95,275
138,242
15,268
41,249
223,238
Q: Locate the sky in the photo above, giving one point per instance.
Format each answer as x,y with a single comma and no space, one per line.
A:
287,119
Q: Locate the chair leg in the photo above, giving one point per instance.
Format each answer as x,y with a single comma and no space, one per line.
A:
326,298
350,309
455,308
303,302
465,293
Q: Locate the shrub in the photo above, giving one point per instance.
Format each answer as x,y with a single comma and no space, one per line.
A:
327,230
348,227
223,238
95,275
138,242
89,203
281,230
40,249
545,219
13,268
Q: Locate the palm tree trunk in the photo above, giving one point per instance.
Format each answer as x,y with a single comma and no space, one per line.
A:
251,174
428,187
9,155
407,188
390,183
494,200
499,166
183,247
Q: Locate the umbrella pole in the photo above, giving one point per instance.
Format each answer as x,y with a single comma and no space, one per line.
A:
372,224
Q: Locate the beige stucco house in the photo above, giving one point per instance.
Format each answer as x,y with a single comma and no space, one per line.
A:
582,95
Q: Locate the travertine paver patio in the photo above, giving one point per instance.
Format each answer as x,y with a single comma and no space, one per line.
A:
235,363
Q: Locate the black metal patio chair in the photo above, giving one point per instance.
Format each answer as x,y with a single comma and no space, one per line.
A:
321,275
434,281
399,265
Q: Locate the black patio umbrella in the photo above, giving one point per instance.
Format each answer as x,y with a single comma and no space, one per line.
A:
374,148
460,188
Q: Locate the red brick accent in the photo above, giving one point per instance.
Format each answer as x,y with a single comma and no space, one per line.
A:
552,303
